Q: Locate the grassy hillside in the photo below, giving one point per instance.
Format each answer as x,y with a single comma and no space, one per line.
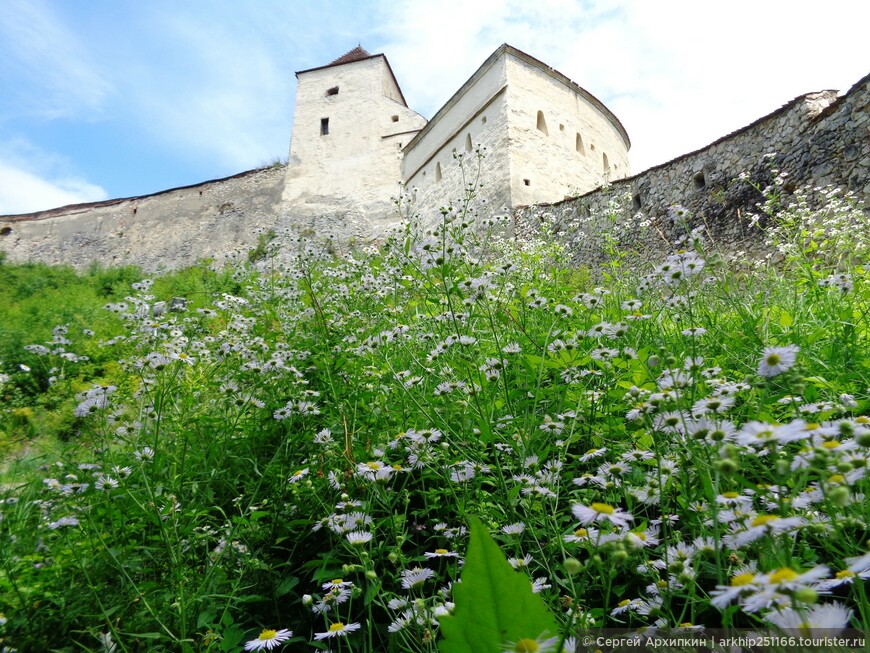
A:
295,460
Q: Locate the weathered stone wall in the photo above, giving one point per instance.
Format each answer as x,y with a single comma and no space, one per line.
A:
817,140
164,231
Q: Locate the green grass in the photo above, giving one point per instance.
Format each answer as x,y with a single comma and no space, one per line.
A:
286,453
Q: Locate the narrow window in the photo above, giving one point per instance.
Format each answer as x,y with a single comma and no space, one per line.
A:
561,127
527,182
468,146
605,162
578,143
437,172
395,118
636,203
700,180
483,120
542,124
332,91
324,126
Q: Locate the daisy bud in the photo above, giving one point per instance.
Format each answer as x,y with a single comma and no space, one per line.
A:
839,496
864,439
807,595
726,465
620,556
654,361
844,466
392,557
573,566
307,600
371,574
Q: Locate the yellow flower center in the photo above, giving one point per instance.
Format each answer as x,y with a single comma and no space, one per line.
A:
686,624
742,579
591,451
772,359
297,472
624,603
581,532
764,520
373,465
845,574
336,627
783,575
730,495
442,552
337,581
830,444
602,508
837,478
267,634
526,646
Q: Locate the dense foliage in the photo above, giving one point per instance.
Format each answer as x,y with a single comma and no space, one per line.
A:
295,462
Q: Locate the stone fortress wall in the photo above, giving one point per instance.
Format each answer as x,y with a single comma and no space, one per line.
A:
818,138
162,231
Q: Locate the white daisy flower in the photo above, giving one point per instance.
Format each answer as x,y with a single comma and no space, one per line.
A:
598,512
826,617
268,639
338,629
776,360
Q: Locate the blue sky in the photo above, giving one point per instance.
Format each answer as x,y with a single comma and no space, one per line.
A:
114,98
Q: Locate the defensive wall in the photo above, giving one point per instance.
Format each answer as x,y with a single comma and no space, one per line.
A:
817,139
162,231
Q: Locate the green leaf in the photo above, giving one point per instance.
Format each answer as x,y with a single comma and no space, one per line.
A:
494,604
232,637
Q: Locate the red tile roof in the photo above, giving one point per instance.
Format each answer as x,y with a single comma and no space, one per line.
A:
357,54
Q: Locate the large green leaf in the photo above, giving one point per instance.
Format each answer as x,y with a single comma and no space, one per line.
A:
494,604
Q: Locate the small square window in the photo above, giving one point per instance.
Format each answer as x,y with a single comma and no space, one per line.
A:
332,91
527,182
395,118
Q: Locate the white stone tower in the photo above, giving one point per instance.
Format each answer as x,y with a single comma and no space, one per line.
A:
350,125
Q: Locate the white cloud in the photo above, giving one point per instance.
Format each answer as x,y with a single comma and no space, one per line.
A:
45,66
678,73
25,192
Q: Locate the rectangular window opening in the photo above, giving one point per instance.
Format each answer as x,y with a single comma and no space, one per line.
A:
324,126
332,91
700,180
527,182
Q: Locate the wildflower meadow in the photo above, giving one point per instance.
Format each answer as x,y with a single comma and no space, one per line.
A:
453,441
